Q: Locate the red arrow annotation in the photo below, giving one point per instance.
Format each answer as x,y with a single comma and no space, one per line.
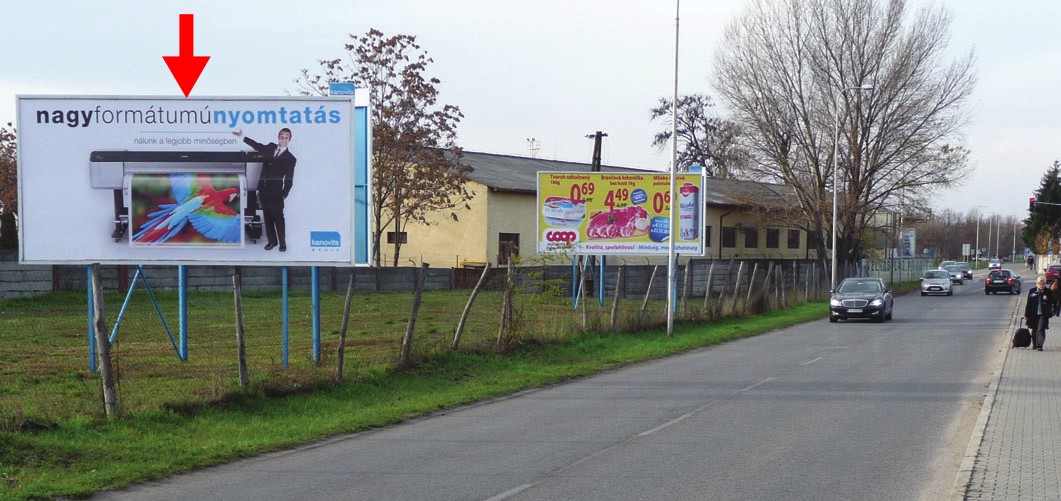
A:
186,67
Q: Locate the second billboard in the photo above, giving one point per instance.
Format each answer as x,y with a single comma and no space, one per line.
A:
617,213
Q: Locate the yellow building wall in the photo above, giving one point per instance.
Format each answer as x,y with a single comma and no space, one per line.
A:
446,243
513,213
718,217
474,238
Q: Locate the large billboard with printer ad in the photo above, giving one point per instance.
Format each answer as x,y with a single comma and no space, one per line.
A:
225,180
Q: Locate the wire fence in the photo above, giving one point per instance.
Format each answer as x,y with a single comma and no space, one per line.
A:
47,339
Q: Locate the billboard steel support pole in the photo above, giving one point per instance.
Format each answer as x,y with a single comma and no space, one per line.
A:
91,324
283,309
182,295
316,286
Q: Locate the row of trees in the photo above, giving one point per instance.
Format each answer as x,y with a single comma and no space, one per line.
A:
8,189
946,233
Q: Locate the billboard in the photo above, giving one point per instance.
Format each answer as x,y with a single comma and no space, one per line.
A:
237,181
617,213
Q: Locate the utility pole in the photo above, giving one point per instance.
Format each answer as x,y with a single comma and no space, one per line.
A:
595,167
596,137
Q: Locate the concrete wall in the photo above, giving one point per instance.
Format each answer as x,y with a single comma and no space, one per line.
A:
20,280
717,276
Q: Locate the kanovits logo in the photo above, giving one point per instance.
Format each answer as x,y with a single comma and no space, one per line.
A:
567,237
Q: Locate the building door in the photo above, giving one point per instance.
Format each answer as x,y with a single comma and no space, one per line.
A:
507,247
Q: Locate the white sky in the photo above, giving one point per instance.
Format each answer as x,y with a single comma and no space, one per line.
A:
553,70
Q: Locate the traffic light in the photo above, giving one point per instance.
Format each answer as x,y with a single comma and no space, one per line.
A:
1031,203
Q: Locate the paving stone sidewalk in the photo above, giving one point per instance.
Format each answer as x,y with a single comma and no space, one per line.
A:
1019,455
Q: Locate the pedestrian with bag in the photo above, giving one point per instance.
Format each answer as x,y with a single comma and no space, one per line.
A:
1038,308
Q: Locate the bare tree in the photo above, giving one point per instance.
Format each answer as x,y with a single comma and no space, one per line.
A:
8,189
705,140
785,68
417,169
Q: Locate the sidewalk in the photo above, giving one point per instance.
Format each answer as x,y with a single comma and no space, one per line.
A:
1018,454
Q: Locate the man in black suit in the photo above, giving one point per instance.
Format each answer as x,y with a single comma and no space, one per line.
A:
274,183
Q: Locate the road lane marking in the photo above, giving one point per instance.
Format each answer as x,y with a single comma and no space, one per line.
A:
692,413
676,420
511,492
756,385
812,361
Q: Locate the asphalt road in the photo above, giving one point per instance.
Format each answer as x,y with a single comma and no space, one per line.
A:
852,410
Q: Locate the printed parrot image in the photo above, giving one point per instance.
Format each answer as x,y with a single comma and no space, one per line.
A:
196,201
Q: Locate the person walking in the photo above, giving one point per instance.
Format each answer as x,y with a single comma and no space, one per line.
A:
1038,308
274,183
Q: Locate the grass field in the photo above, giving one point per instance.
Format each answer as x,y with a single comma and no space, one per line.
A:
178,415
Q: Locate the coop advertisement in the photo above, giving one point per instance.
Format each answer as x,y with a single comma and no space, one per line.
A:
618,213
237,181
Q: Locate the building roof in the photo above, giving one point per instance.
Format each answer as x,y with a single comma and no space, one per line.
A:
520,174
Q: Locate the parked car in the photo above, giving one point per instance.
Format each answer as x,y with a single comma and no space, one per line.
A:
1052,273
956,274
1002,281
862,297
967,270
936,282
994,264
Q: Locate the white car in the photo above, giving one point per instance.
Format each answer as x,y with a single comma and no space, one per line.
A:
994,264
936,282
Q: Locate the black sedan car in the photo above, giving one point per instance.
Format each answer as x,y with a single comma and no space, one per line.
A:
1002,281
863,297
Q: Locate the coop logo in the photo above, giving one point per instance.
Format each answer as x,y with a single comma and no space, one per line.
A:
561,237
324,240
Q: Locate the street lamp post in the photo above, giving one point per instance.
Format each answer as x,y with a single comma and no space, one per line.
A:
836,160
998,235
1013,251
976,251
990,228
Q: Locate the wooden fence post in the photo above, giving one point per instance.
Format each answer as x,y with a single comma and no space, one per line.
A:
404,360
648,292
340,355
241,344
468,308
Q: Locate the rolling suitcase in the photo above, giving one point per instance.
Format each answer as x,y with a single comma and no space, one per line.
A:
1023,337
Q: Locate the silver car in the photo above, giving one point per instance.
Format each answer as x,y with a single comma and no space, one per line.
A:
956,274
936,282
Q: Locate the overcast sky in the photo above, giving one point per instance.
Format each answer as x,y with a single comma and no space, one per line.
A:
551,70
